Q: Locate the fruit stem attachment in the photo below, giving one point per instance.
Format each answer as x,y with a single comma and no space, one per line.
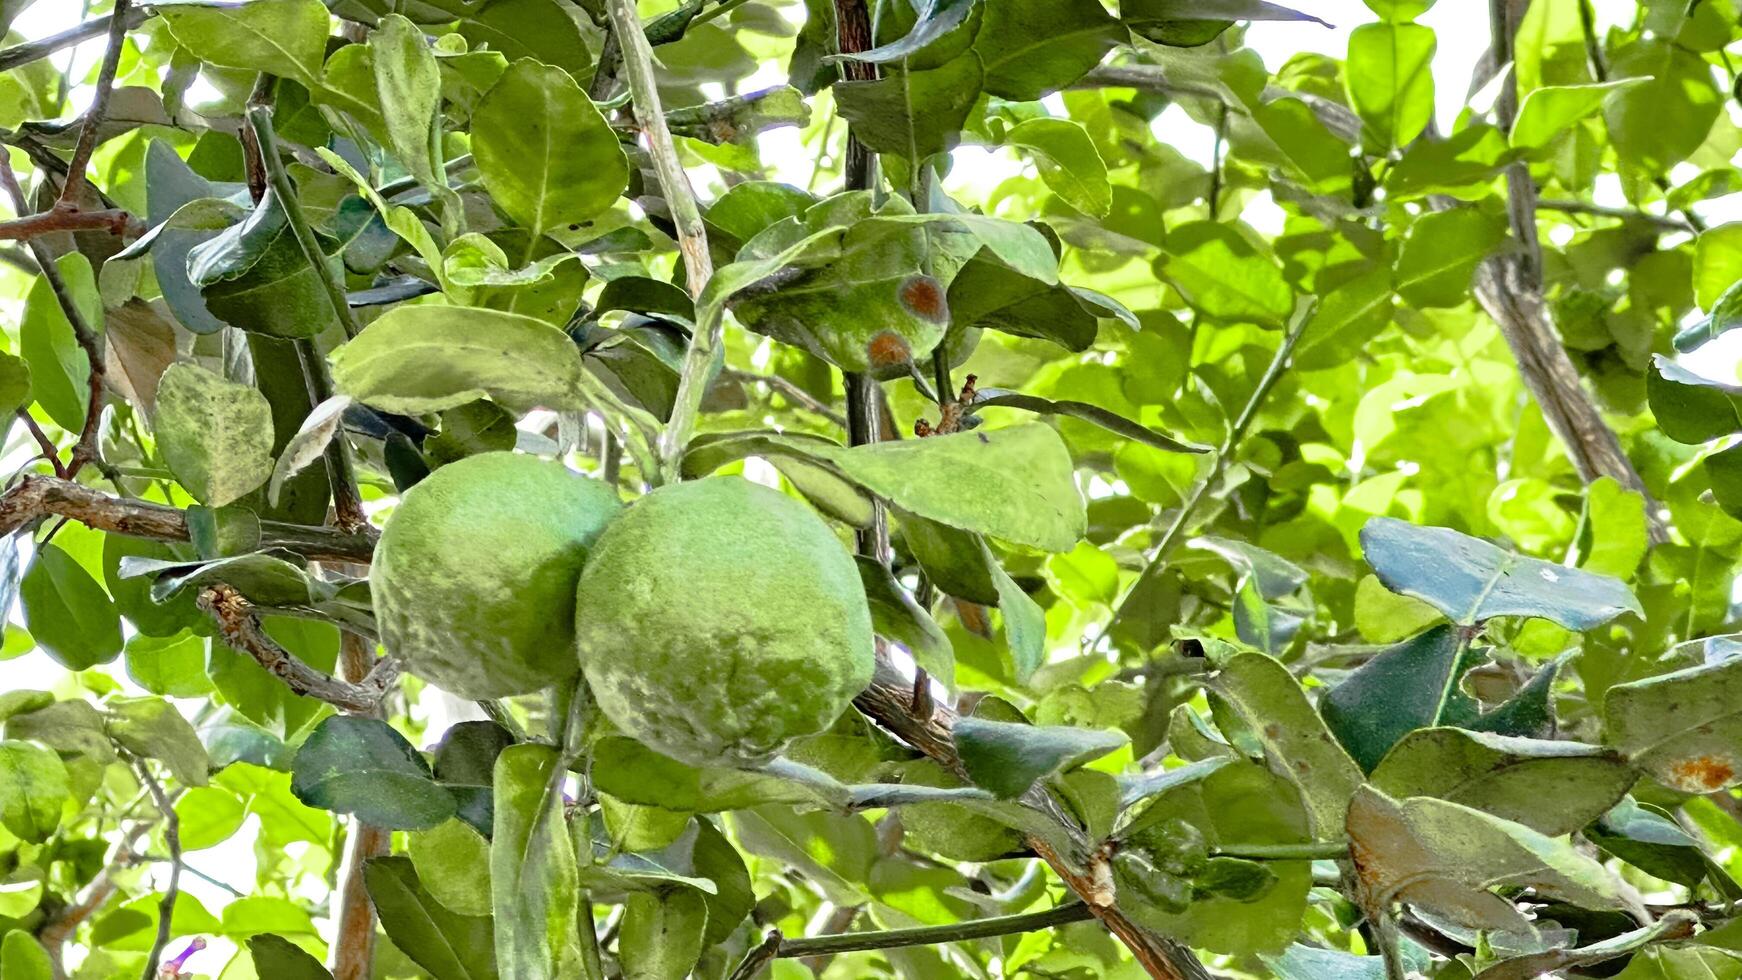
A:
686,216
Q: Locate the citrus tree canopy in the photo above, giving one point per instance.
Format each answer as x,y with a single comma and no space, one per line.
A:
835,489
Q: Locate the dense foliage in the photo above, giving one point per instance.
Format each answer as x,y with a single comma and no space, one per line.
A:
1315,564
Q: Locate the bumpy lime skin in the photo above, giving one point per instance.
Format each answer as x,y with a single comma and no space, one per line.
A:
476,571
719,619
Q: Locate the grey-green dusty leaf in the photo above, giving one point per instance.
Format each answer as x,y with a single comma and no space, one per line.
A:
662,933
453,864
33,787
1472,581
1551,787
154,729
409,84
1297,745
1006,757
309,443
363,767
547,155
215,434
281,37
534,885
449,945
636,774
418,359
1444,857
1684,728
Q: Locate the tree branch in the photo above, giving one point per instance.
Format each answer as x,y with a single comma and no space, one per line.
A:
1509,287
76,180
23,54
171,840
889,701
36,497
115,221
241,629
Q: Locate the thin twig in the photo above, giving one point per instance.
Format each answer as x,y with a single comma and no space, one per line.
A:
1170,538
686,216
241,629
788,390
85,449
1663,221
23,54
171,840
777,947
47,445
76,179
115,221
35,497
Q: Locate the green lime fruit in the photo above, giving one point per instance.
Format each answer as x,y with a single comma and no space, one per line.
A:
719,619
476,570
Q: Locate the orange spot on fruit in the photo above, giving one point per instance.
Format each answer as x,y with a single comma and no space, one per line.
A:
1703,773
924,296
888,348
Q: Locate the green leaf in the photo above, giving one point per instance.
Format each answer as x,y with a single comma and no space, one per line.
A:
1302,962
1675,924
173,666
363,767
1189,23
68,727
14,382
1683,728
1031,49
988,293
1442,858
465,764
449,945
1551,787
208,816
67,611
59,369
453,864
1234,804
1225,276
1689,408
1390,81
417,359
1067,160
1441,253
912,113
1649,839
1658,123
275,956
1726,312
154,729
409,85
1007,757
1472,581
1408,686
1618,530
942,30
254,276
33,788
633,773
215,435
534,885
546,153
662,933
23,958
1297,745
896,616
1398,11
287,38
1551,110
1718,270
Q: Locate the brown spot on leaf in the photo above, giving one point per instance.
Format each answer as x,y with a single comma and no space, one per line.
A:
888,348
1702,773
924,296
1273,731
